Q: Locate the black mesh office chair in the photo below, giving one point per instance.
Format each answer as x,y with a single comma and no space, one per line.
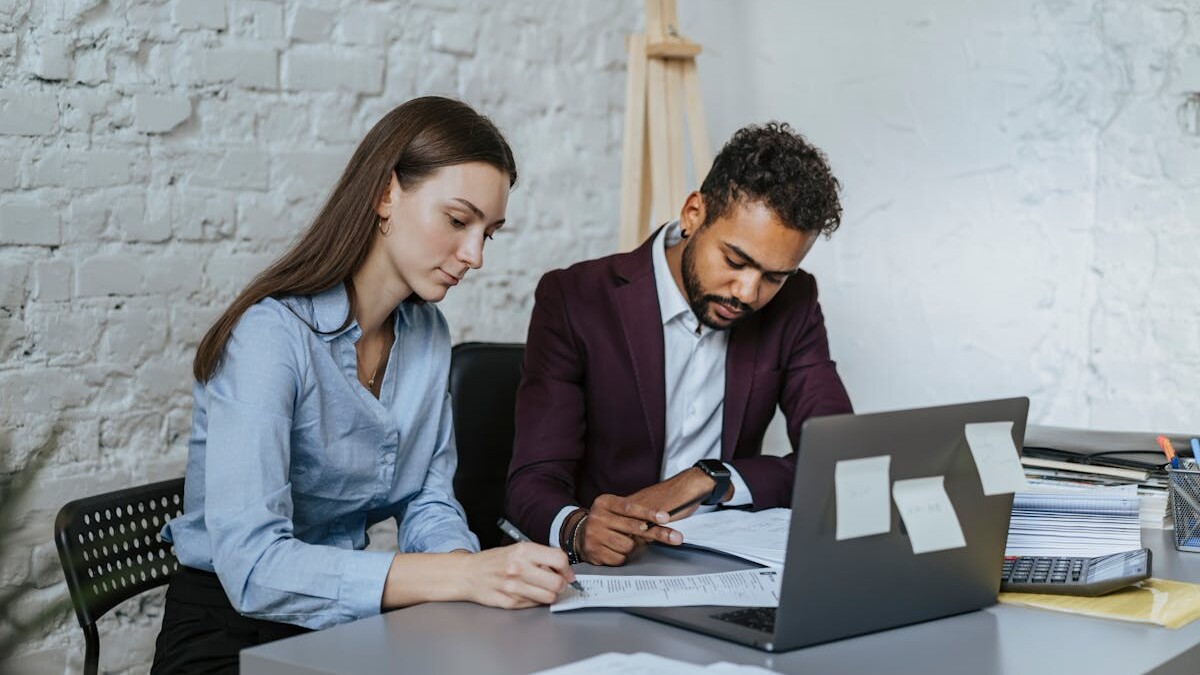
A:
483,395
110,551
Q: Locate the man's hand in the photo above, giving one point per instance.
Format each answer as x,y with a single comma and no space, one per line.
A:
688,487
615,526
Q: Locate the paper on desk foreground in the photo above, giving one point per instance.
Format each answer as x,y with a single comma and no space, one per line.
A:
643,663
1157,601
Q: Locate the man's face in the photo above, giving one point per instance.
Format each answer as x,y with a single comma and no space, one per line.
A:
736,264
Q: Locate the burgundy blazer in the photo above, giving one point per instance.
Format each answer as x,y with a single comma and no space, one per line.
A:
591,407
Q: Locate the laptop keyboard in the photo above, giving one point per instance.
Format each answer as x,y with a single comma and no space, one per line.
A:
758,618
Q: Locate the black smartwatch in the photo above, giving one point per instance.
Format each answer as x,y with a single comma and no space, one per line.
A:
716,470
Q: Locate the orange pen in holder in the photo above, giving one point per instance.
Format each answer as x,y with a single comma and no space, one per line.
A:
1168,450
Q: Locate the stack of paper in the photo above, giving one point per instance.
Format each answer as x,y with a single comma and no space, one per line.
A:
1053,519
649,664
1085,457
759,536
1154,509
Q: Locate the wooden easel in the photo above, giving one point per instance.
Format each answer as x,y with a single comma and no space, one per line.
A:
662,89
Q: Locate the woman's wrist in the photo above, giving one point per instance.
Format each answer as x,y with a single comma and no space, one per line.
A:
414,578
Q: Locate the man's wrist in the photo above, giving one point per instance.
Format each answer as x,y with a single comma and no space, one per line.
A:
719,479
572,536
568,527
706,483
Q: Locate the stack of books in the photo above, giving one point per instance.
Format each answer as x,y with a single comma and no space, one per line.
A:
1073,458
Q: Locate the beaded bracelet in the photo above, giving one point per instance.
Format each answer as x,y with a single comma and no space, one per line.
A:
573,553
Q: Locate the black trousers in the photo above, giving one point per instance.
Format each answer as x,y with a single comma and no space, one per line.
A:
202,632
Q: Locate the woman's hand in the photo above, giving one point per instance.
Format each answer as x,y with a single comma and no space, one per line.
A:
511,577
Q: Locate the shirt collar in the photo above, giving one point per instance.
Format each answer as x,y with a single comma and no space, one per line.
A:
330,307
671,302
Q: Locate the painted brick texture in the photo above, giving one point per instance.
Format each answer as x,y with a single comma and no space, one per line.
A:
155,154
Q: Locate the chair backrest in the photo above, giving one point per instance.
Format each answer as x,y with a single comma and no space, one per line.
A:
483,396
110,550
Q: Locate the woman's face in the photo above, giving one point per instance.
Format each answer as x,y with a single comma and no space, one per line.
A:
438,228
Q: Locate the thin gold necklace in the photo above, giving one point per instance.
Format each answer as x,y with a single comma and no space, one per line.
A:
382,355
371,382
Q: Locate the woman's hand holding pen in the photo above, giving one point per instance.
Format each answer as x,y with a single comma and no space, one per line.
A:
520,575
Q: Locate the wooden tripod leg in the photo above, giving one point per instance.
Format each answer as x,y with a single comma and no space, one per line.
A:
634,197
659,124
674,92
697,126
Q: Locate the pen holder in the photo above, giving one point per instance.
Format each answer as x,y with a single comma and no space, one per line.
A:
1185,507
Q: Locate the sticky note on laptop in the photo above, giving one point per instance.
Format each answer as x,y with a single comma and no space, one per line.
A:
864,505
928,514
996,457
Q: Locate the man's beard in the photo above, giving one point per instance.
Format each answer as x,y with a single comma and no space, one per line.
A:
699,302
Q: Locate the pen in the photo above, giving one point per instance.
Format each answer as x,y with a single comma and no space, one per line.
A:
689,503
1168,450
517,535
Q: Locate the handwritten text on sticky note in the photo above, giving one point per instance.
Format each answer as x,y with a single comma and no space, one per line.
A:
928,514
863,504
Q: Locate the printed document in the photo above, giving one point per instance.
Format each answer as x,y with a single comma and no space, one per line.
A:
996,457
743,588
864,505
759,536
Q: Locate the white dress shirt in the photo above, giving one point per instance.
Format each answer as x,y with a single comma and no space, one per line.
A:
694,369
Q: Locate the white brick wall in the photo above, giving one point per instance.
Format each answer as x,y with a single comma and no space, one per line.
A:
1021,186
155,154
1022,212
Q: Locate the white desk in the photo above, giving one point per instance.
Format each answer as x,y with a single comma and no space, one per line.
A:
465,638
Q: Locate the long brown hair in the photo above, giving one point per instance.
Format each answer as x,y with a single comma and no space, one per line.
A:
413,140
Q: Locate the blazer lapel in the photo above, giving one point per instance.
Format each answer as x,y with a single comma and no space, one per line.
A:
641,321
740,357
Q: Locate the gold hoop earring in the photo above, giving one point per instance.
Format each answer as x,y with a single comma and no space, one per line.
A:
384,230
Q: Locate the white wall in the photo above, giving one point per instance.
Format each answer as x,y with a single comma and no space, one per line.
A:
155,154
1021,191
1021,187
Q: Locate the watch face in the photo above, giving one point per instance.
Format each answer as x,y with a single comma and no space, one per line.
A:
714,468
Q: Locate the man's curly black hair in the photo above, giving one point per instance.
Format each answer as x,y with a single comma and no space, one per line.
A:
774,165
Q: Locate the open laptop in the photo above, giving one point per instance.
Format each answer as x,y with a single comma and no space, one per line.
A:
836,589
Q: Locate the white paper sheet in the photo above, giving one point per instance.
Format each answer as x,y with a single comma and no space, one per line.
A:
758,536
743,588
996,457
613,663
864,505
928,514
642,663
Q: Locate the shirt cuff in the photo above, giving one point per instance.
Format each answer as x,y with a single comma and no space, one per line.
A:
741,491
556,525
363,578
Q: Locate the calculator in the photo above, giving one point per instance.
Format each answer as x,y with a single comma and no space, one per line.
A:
1074,576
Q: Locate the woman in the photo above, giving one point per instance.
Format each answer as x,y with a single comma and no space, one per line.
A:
321,408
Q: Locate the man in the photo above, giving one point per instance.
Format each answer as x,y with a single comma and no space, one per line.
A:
650,376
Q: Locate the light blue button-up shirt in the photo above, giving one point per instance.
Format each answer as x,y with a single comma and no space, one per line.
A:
291,459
